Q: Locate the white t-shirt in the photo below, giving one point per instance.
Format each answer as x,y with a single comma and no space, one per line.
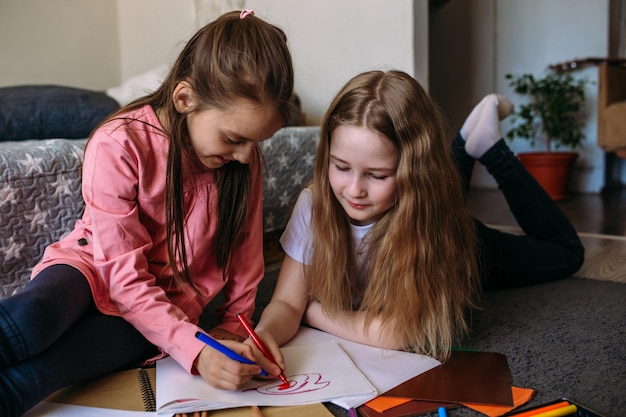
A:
297,236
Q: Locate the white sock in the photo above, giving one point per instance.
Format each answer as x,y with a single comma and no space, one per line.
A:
481,129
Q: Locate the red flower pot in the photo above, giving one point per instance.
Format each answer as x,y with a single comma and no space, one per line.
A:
553,170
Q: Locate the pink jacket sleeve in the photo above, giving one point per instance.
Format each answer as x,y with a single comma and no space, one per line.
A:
121,244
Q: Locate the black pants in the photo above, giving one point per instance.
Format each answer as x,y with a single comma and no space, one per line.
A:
51,336
549,249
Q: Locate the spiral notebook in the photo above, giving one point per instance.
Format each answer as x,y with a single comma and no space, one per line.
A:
131,390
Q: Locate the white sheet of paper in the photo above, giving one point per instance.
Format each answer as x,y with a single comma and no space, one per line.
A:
317,372
384,368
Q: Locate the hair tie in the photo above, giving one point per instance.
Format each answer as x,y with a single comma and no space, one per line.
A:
247,12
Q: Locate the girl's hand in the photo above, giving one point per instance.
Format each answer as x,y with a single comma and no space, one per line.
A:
274,350
219,371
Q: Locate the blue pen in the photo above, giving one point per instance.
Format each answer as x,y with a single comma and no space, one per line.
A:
223,349
442,412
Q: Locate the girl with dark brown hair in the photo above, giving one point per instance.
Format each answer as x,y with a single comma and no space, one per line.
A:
173,216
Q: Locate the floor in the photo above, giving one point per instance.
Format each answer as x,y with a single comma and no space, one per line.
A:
602,213
600,220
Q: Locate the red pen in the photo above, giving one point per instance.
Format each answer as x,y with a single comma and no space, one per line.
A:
257,341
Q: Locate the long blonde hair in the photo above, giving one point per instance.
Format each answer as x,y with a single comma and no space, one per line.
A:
422,261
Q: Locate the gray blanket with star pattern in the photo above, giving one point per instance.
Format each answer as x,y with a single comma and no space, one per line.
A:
40,193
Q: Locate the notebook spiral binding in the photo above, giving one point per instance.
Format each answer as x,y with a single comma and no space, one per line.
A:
149,400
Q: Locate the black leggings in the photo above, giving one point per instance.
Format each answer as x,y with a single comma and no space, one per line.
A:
51,336
549,249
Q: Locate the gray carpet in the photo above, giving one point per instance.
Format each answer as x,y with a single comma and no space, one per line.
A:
563,339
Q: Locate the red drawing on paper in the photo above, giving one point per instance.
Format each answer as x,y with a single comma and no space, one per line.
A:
298,384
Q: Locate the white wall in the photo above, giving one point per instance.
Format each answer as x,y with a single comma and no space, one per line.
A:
66,42
152,33
561,30
330,40
495,37
100,43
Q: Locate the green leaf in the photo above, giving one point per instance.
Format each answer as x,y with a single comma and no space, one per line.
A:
553,110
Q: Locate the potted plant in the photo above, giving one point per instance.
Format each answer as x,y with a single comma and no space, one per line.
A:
552,115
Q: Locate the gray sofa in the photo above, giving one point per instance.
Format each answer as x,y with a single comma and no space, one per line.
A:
40,193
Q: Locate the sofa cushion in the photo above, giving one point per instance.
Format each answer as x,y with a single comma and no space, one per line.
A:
51,111
40,200
289,156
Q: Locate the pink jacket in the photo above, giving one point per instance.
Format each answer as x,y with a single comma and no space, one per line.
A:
120,245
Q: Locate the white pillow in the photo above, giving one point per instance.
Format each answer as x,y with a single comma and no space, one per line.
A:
138,86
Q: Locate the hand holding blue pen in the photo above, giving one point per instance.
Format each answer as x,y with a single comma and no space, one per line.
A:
226,351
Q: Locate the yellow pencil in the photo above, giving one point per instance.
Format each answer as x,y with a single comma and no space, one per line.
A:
559,412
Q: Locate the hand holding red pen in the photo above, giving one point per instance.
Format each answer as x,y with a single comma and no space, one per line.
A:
259,343
226,364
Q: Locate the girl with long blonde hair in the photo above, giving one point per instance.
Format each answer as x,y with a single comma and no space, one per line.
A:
381,248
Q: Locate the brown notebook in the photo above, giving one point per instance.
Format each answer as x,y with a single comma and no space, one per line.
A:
467,377
126,390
